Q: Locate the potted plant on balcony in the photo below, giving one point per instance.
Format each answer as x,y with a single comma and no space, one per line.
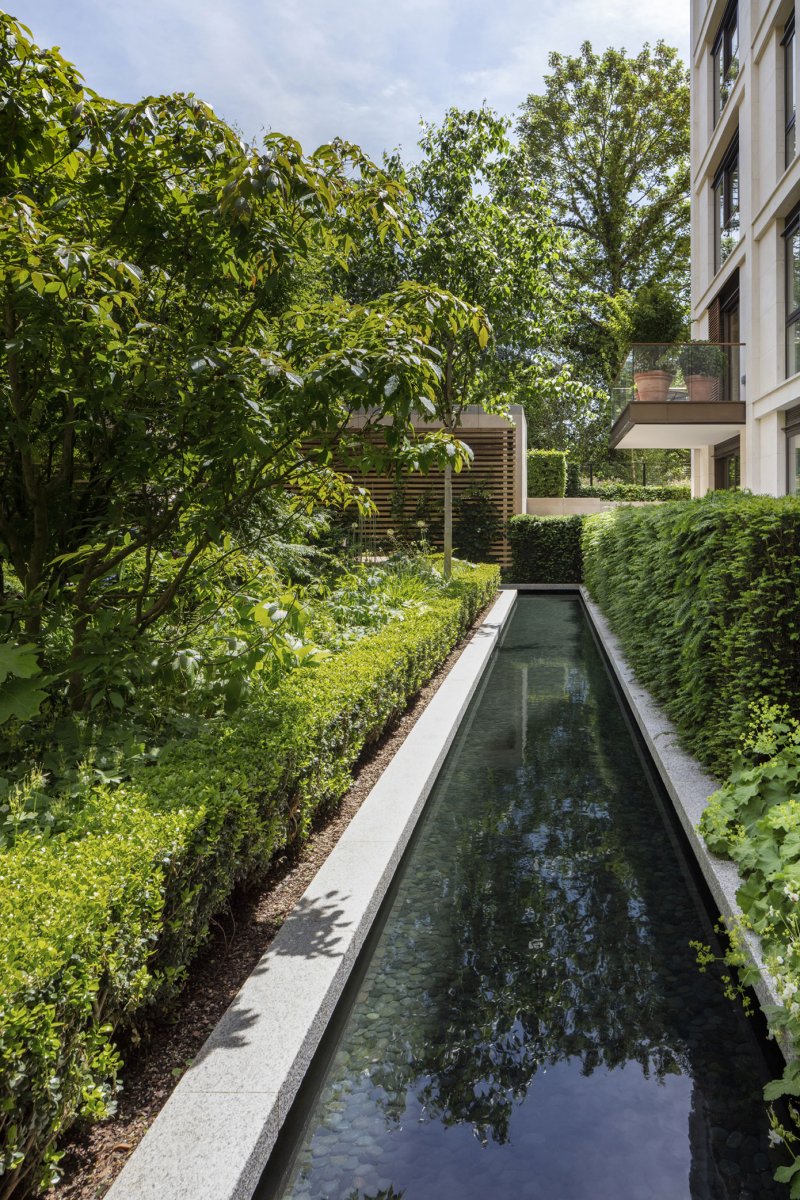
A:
657,320
703,367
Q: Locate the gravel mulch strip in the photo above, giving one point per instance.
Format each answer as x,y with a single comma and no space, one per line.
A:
95,1156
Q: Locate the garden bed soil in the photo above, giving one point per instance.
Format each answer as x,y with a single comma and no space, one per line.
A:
94,1157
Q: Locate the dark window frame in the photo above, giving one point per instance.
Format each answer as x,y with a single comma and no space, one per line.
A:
724,222
728,465
789,117
791,230
730,305
723,57
791,428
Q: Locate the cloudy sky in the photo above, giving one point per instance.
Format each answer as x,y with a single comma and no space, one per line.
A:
365,70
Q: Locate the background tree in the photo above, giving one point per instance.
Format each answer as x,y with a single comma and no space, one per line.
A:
480,229
609,138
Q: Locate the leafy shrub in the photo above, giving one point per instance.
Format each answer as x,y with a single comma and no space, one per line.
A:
103,918
547,473
20,693
367,598
704,599
637,491
754,819
545,549
573,487
702,358
657,317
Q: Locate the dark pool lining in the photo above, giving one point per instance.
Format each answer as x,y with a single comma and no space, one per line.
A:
298,1119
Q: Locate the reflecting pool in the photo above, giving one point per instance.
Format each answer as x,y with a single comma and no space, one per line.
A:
530,1023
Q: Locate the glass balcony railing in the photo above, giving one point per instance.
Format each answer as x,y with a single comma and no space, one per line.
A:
679,372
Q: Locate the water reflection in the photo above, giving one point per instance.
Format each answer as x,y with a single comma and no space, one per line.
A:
532,1022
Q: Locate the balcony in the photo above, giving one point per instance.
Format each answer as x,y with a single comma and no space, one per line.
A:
677,396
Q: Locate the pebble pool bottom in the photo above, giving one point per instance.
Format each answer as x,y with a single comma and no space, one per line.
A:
532,1023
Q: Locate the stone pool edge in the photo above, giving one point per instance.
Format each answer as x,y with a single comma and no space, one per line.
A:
214,1135
688,787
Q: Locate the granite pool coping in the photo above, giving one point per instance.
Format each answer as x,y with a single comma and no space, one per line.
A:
212,1139
688,787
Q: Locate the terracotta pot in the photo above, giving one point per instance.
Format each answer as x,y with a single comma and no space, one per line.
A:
652,385
703,389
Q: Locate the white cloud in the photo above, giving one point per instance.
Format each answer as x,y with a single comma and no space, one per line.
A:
361,70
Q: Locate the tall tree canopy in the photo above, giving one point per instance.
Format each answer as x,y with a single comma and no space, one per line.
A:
160,372
609,138
479,227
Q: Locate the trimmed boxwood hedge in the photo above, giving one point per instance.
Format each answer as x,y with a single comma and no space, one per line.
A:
103,920
545,549
704,597
547,473
637,491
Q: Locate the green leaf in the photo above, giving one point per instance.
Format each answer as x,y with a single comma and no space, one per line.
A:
787,1174
20,699
781,1087
18,660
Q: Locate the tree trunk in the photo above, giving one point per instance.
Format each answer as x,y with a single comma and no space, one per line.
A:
448,521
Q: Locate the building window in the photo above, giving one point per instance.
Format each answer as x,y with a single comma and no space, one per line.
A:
789,92
793,452
792,239
730,337
726,205
727,466
725,56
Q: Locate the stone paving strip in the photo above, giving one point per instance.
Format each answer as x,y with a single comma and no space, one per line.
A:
214,1135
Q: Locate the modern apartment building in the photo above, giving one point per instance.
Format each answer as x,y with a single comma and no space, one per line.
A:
745,202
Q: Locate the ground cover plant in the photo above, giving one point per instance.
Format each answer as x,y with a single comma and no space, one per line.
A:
703,598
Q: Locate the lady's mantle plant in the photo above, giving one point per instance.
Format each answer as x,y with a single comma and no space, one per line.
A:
754,819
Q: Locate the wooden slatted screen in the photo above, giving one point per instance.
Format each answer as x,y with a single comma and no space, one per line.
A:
492,468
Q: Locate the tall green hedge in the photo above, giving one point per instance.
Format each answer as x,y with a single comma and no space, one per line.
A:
103,920
705,599
547,473
545,549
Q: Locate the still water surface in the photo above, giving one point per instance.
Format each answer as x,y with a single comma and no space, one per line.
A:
531,1024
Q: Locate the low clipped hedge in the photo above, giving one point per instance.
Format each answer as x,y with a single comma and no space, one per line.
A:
705,601
547,473
545,549
636,492
103,920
